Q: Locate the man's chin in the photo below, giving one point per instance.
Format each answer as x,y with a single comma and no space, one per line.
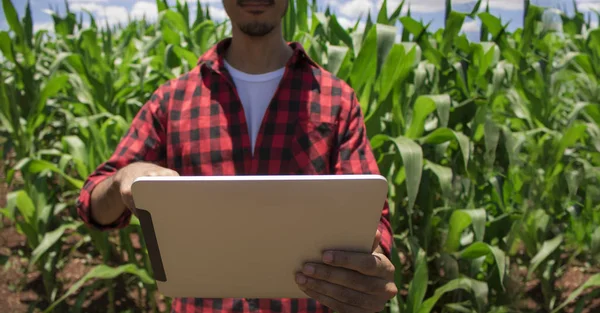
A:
256,29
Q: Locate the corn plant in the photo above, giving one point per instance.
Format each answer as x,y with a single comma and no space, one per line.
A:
491,148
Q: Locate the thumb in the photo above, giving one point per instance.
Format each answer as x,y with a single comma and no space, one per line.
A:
376,241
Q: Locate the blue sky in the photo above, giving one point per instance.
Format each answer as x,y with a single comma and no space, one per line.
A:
114,11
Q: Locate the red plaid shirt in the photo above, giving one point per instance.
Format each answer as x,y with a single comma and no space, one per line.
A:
196,125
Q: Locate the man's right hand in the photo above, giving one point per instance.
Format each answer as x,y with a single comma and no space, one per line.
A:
113,196
125,177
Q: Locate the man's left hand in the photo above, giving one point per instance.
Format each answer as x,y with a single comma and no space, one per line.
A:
350,282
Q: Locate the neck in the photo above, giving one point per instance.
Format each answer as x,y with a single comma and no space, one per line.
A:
257,55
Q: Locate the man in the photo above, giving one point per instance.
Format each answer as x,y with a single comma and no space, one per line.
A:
254,104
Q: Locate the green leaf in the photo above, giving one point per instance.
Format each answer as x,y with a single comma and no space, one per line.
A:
340,32
49,239
418,285
6,46
38,166
26,207
454,24
478,288
569,138
424,106
187,55
364,66
13,19
336,57
76,147
52,87
491,136
442,135
548,247
103,272
302,15
480,249
459,221
595,244
593,281
444,175
411,156
175,20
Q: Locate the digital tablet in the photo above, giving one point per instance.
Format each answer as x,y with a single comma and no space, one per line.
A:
247,236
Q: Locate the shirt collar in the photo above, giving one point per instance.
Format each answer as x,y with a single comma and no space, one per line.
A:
213,58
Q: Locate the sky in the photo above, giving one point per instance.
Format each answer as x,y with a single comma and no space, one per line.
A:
347,11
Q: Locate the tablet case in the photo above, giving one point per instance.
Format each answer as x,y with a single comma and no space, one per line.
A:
247,236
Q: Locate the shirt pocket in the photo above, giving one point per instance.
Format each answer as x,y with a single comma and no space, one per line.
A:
311,147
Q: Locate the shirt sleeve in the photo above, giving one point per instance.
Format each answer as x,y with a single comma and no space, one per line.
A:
355,156
143,141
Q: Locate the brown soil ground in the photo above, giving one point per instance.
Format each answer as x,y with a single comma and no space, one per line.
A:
20,291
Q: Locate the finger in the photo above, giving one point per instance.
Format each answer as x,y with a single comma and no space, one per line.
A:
126,195
368,264
376,241
330,302
350,279
342,294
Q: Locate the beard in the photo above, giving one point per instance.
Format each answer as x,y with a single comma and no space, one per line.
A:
259,29
256,29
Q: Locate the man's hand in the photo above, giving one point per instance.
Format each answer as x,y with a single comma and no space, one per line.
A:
125,177
350,282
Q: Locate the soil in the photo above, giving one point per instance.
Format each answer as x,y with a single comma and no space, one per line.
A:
20,290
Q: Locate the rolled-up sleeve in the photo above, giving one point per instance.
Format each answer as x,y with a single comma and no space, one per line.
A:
143,141
354,155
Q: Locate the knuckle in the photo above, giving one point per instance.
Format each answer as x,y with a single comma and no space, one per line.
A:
125,190
391,268
391,290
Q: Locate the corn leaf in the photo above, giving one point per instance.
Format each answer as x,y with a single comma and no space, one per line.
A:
418,286
480,249
593,281
459,221
103,272
49,239
478,288
13,19
548,247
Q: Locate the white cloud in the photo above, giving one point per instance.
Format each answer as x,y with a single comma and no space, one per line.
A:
89,6
471,26
88,1
49,26
355,8
114,14
588,5
511,5
144,9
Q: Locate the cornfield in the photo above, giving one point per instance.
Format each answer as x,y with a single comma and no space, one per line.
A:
491,150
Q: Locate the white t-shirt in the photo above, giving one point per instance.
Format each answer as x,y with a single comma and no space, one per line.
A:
256,92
